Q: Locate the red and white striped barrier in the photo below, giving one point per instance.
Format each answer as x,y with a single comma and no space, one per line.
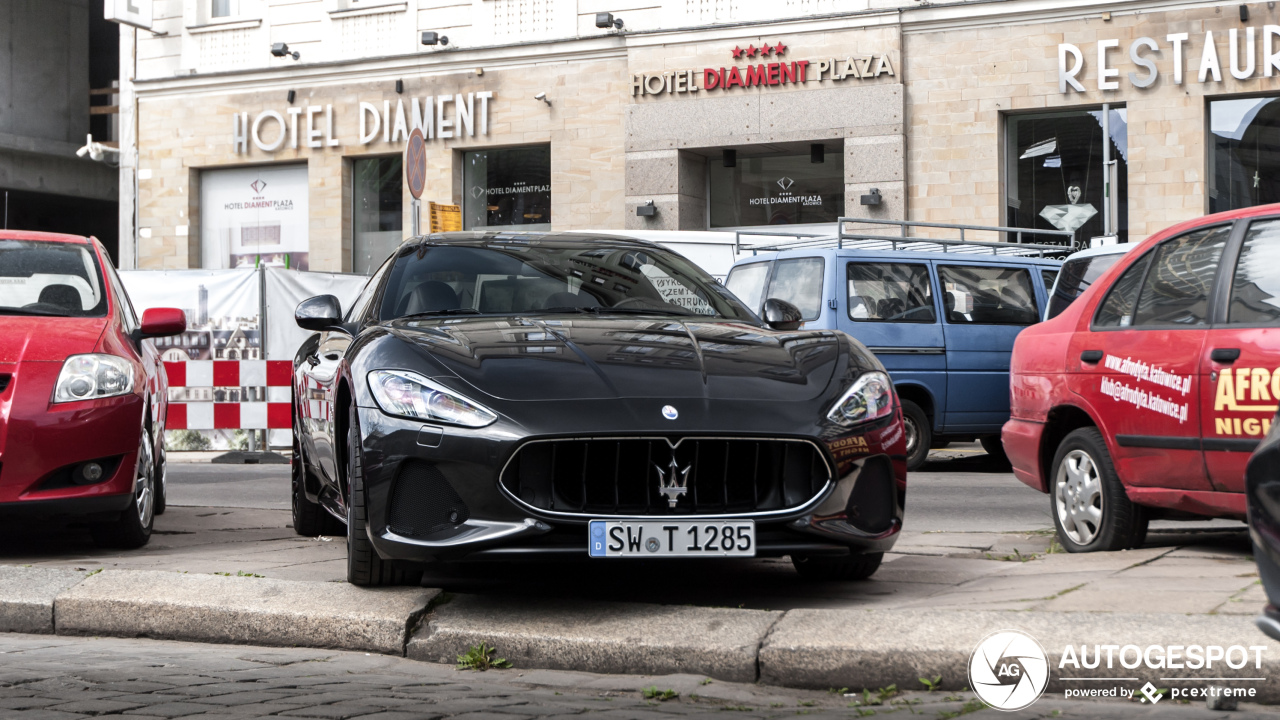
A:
229,395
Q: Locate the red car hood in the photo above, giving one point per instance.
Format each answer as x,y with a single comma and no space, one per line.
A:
33,339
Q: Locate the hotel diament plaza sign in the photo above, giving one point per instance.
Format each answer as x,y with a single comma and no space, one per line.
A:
758,74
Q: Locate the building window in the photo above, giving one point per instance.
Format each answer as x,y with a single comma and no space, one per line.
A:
377,217
221,8
507,188
254,216
1055,178
1244,153
776,190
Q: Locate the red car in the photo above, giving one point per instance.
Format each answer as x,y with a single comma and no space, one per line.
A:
1145,397
83,395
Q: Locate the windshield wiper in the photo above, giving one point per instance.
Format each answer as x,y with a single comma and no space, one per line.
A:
32,313
438,313
597,310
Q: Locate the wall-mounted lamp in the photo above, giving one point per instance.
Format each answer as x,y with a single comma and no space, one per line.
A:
1244,13
479,71
282,50
647,210
1106,17
291,96
604,21
817,153
543,97
871,198
434,38
730,157
399,87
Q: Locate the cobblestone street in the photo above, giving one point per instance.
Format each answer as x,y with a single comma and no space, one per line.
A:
63,678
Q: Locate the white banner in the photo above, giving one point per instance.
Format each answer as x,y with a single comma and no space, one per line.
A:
287,288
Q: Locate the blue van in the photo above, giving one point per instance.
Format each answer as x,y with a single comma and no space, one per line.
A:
943,324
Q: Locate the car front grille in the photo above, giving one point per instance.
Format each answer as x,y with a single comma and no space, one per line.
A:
623,476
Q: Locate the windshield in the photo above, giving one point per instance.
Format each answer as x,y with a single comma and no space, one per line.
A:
50,278
548,277
1076,277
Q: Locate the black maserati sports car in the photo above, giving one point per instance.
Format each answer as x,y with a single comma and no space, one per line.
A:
531,395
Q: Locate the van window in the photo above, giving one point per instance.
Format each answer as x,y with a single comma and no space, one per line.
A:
890,292
1255,290
1176,291
1048,276
1076,277
988,295
799,282
1117,309
747,282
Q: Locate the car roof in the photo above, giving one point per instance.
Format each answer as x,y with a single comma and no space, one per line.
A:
984,258
486,238
1117,249
43,236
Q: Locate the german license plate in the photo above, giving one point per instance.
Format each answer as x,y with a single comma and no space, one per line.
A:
654,538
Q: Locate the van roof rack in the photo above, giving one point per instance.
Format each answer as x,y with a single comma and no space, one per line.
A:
1060,243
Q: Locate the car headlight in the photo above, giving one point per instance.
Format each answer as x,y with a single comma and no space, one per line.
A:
89,377
870,398
408,394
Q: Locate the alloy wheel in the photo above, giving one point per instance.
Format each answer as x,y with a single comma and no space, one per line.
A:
144,483
1078,497
913,435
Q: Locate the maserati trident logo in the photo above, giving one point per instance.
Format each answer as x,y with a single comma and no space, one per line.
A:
675,486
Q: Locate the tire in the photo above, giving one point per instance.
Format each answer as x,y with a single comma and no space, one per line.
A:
853,567
1090,508
133,528
364,566
919,434
309,519
995,448
162,480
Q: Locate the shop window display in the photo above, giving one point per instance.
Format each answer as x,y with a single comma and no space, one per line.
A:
377,210
1244,153
507,188
776,190
254,216
1055,178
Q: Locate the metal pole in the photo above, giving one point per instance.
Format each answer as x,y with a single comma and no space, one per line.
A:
6,209
262,350
416,206
1106,167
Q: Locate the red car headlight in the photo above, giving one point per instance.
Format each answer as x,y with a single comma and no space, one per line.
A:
89,377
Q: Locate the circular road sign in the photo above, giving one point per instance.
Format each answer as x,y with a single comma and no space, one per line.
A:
415,163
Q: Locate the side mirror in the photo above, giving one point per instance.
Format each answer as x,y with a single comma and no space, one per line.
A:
782,315
318,313
162,322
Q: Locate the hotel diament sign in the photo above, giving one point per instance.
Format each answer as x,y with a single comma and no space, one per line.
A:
759,74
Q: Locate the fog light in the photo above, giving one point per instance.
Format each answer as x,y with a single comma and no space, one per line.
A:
91,472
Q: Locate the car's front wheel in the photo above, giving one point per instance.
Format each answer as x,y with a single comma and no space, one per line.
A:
162,479
852,567
919,434
133,528
1090,508
364,566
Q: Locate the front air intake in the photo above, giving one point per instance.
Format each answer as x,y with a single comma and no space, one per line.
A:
423,502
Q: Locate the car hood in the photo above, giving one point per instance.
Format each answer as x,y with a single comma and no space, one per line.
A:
47,339
520,358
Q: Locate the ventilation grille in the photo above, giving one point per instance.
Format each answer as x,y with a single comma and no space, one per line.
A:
623,476
423,502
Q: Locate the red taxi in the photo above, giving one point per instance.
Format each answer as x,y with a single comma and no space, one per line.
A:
1144,398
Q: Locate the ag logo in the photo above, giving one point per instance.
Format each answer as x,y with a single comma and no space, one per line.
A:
1008,670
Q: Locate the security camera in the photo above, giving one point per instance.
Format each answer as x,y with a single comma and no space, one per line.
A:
543,97
434,38
604,21
282,50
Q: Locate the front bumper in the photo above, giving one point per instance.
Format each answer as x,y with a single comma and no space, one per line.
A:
41,442
870,469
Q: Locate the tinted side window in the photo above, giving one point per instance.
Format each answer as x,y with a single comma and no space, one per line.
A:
1076,277
1255,289
1176,290
799,282
1117,309
890,292
747,282
988,295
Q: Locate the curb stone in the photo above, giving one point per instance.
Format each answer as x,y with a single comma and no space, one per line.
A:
241,610
27,595
599,637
